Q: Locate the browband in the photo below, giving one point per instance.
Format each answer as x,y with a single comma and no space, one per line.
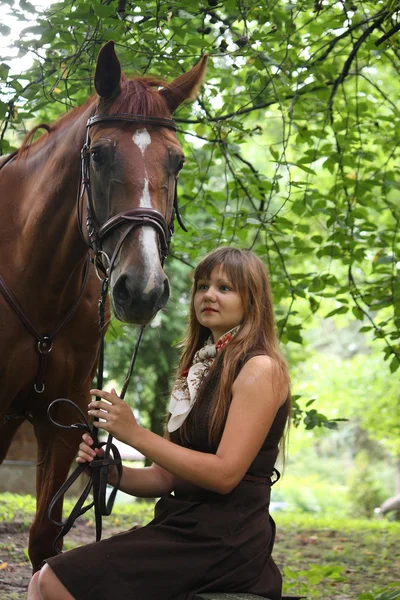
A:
128,118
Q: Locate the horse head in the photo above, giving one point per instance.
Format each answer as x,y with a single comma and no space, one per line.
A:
133,159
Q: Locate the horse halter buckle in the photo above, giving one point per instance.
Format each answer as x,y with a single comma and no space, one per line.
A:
136,217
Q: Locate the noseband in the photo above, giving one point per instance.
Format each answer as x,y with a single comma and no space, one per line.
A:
135,217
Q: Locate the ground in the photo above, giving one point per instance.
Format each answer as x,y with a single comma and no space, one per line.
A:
322,558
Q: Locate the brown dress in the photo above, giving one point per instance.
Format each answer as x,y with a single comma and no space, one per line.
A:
198,541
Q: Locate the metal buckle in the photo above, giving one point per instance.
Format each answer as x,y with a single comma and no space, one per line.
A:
97,265
45,346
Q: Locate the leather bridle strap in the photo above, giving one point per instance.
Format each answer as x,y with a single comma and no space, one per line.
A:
138,216
44,341
130,118
135,217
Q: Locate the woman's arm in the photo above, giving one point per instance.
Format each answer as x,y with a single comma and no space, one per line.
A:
257,394
146,482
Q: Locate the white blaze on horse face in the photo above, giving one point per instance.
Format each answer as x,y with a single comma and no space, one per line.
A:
148,236
142,139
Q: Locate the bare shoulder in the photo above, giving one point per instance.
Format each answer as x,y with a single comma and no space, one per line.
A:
262,366
263,372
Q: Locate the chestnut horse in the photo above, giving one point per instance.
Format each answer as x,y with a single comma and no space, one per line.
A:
132,163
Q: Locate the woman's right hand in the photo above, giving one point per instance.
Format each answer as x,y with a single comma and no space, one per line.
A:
87,454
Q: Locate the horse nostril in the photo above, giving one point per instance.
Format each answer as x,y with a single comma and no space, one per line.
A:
121,291
163,299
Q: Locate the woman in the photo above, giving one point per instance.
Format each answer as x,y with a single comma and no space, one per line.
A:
227,414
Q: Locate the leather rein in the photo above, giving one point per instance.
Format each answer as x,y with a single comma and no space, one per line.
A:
96,233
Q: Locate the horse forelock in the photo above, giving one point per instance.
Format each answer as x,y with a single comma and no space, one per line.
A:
139,96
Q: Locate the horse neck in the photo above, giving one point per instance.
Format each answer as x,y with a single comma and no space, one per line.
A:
42,241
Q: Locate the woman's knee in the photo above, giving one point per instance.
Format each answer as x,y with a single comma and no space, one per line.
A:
33,589
50,586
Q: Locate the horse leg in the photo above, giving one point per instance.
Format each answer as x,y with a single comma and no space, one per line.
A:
56,451
7,432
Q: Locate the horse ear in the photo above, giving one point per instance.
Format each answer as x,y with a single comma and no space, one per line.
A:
108,72
185,86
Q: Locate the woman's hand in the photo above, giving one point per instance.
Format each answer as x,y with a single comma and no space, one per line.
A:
87,454
118,416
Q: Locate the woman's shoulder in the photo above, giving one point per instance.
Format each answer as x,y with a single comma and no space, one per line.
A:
259,359
261,363
264,369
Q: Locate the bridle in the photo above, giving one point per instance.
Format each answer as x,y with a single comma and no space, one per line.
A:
135,217
96,234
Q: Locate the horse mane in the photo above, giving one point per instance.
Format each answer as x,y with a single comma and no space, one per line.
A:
137,96
27,141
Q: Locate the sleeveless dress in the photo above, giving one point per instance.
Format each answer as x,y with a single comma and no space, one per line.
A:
198,541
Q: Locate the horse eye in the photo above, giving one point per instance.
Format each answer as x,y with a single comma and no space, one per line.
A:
97,156
181,163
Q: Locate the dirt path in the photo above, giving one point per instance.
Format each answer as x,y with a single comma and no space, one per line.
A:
334,564
15,568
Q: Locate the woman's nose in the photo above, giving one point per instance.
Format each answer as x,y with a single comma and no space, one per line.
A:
210,294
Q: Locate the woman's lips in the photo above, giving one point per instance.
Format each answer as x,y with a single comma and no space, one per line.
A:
209,309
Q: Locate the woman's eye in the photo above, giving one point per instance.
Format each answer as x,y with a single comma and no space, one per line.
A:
202,286
225,288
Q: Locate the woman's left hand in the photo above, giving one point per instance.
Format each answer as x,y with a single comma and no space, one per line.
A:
117,414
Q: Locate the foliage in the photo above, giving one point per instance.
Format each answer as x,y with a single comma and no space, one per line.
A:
391,592
310,493
158,355
357,388
365,490
293,140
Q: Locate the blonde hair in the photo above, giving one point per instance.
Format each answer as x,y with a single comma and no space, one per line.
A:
257,333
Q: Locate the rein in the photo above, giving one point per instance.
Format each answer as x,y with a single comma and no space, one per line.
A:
44,341
96,233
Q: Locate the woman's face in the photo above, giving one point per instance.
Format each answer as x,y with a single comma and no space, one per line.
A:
217,303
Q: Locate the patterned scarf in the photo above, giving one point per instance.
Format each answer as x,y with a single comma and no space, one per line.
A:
188,383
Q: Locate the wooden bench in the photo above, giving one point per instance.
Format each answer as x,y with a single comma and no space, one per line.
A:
237,596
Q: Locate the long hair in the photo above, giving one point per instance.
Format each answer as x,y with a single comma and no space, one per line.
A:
257,333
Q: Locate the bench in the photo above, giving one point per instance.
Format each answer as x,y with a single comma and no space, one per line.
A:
236,596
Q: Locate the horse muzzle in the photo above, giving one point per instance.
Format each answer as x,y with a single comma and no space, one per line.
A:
135,301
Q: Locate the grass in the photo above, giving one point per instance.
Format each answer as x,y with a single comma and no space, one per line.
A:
320,557
332,557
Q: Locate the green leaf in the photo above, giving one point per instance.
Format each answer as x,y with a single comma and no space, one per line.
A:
197,42
103,10
338,311
358,313
4,69
394,364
